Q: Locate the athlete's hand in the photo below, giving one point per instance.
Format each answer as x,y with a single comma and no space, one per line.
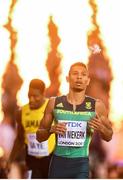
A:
59,128
96,123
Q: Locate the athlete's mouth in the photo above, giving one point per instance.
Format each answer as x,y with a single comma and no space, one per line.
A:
79,83
32,105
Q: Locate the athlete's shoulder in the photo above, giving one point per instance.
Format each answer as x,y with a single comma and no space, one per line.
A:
100,104
90,98
62,97
51,103
18,115
52,99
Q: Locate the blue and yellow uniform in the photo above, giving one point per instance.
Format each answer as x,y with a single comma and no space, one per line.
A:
72,148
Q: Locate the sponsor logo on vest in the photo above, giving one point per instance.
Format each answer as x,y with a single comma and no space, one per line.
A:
74,124
59,105
27,113
60,111
75,134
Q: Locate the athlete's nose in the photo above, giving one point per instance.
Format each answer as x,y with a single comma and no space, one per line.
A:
31,99
79,76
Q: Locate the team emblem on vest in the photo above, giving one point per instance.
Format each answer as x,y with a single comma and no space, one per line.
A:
88,105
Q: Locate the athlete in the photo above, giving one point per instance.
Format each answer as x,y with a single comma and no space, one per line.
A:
76,116
28,119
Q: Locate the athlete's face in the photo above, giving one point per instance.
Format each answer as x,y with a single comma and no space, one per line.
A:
35,98
78,78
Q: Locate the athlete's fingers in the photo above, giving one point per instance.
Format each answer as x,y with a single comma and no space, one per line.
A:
60,128
95,123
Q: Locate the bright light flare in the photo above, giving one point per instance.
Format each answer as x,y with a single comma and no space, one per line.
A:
4,43
110,21
73,19
30,21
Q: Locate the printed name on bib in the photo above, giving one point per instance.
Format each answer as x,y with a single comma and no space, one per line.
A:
35,148
75,134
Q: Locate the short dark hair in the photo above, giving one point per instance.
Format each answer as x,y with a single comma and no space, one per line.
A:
37,84
78,64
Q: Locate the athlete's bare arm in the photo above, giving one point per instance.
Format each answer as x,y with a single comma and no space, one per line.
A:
101,123
19,141
46,128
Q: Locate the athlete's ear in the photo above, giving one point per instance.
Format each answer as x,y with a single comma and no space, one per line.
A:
67,78
88,81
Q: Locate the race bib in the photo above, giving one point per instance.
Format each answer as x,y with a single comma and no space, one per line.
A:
35,148
75,134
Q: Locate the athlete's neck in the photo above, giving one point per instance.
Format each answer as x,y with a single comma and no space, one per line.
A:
42,102
75,98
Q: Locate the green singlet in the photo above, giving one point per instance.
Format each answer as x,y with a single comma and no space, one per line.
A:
75,142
